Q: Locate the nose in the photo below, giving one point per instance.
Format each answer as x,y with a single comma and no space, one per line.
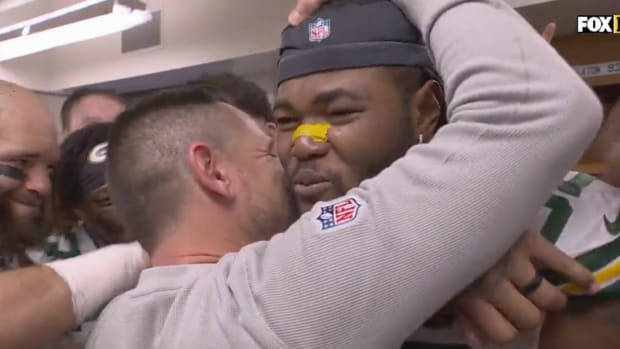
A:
38,181
305,148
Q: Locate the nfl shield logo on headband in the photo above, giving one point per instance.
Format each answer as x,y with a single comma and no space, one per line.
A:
319,29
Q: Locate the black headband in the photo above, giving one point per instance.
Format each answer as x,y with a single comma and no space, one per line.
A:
92,173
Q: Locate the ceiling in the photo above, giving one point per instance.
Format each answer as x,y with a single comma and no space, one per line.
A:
204,36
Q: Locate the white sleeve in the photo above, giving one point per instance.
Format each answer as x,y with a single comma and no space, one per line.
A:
436,219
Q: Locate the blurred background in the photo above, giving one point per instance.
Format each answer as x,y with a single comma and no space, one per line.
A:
138,46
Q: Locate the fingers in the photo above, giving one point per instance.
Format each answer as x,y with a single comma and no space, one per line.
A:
469,331
487,320
549,32
516,308
303,10
547,255
545,296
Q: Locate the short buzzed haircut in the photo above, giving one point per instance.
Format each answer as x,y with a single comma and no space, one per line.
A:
77,96
147,154
240,92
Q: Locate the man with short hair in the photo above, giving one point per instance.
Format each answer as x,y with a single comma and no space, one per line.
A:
359,271
86,106
376,106
41,303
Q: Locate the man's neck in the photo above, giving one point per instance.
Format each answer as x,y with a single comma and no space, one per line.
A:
197,238
162,259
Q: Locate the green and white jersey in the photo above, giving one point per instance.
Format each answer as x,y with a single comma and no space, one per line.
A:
582,218
63,246
57,247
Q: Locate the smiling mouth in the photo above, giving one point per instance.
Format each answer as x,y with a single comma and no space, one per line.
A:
30,210
311,190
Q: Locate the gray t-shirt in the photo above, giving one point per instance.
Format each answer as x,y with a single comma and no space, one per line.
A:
166,310
365,270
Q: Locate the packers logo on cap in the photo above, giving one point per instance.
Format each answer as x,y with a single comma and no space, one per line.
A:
98,154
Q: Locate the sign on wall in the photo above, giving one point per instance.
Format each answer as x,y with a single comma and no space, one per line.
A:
598,69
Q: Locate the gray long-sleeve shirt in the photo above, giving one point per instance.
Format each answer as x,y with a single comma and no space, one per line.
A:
364,270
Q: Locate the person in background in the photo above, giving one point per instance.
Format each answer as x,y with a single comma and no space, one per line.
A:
28,154
343,161
243,93
87,106
41,303
81,191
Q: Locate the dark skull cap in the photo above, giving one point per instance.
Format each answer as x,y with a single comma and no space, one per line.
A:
351,34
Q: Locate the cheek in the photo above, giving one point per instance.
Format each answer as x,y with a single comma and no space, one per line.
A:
366,148
354,147
283,146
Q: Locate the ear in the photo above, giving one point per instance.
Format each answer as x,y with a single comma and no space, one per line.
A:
209,173
426,106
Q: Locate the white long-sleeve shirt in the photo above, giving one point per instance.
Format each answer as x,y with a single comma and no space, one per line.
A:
363,270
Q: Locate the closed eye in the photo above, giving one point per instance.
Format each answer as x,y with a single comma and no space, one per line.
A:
343,116
343,112
286,123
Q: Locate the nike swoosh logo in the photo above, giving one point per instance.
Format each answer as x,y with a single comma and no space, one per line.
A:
613,228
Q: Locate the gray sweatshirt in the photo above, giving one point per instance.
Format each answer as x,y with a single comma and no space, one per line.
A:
364,270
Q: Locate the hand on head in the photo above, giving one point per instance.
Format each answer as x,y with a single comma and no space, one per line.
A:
303,10
549,32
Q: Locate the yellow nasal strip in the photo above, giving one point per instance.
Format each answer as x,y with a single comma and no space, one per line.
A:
318,132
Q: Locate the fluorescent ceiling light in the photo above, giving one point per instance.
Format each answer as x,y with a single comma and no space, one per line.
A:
122,18
52,15
6,5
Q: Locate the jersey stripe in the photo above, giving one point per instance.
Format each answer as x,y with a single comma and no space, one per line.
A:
606,276
603,262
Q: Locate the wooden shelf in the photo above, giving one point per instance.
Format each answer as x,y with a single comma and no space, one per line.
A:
590,168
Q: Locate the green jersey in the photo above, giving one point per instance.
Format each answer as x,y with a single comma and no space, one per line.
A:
582,218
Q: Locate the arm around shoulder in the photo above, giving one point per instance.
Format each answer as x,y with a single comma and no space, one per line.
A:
36,308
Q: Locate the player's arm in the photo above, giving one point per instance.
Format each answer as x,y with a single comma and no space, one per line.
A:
36,307
40,304
435,220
